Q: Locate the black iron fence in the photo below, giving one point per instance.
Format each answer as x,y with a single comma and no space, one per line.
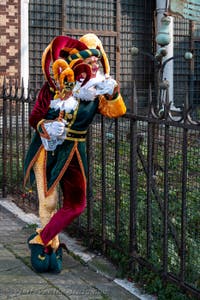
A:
143,185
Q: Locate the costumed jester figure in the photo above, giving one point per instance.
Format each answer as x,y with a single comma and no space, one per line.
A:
73,93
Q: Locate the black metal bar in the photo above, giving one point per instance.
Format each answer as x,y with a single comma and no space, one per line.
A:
4,146
133,180
90,199
11,103
29,102
118,40
163,121
149,189
117,183
103,184
157,198
17,132
150,141
166,191
23,124
184,196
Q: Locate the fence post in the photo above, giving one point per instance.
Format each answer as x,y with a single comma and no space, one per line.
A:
4,144
183,251
90,204
133,181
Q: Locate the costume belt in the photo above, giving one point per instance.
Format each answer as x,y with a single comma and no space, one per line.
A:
76,135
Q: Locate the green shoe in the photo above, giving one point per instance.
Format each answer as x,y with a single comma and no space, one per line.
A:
55,264
39,259
30,238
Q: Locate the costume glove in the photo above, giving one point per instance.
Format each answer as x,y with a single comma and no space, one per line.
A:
94,87
57,133
86,93
55,128
106,86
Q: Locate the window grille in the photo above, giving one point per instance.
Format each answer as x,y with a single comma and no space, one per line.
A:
119,24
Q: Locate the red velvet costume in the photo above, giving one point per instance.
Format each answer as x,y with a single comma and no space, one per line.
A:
74,201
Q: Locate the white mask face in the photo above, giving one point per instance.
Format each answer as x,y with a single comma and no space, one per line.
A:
93,63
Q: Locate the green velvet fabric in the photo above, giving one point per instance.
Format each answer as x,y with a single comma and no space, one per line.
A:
57,159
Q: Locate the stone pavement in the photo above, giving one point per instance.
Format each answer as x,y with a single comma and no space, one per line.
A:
77,281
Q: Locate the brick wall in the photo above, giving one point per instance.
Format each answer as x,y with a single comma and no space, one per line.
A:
9,39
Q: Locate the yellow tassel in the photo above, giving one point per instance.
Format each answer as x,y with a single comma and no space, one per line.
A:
44,55
55,243
66,73
37,240
112,108
57,65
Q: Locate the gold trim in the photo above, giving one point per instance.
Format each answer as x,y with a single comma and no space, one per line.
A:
78,55
39,123
31,164
89,52
75,139
44,172
74,115
77,131
41,257
111,100
47,192
81,166
44,134
73,151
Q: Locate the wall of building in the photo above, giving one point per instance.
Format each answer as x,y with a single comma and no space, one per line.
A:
9,39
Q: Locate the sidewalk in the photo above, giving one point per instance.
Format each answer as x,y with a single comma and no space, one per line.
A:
80,278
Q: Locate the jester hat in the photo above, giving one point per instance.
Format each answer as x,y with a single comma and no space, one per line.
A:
74,52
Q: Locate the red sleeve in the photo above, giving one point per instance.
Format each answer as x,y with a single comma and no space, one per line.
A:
41,106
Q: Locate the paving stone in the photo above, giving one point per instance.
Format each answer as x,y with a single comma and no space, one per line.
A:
19,281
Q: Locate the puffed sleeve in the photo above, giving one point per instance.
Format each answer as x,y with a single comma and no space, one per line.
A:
41,106
112,108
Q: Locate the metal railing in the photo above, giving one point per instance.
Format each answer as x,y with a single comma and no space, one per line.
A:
15,134
143,184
